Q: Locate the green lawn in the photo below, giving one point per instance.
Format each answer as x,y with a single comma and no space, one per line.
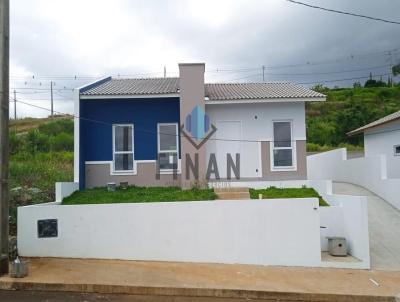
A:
135,194
273,192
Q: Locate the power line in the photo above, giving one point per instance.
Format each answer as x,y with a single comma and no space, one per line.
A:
348,79
43,89
217,70
152,132
148,131
311,63
343,12
328,72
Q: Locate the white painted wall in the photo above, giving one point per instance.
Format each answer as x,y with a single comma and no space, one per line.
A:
347,216
64,189
382,141
369,172
256,129
264,232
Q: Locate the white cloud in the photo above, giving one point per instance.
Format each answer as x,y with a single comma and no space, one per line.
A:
88,37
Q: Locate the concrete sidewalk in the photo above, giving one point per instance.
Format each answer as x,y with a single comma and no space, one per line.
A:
207,280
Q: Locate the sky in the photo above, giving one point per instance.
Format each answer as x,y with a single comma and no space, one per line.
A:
72,43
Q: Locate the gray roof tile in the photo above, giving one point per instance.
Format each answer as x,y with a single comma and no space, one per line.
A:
135,87
214,92
239,91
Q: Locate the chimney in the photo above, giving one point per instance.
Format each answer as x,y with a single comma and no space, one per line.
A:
191,85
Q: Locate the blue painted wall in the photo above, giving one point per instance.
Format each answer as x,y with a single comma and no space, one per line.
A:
97,117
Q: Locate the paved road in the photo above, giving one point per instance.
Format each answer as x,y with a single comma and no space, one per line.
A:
384,228
38,296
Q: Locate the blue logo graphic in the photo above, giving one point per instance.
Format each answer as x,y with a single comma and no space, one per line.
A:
197,128
197,123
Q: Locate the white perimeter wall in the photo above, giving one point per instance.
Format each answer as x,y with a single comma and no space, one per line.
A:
65,189
382,141
369,172
264,232
347,216
256,129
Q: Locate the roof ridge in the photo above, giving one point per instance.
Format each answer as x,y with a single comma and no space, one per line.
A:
151,78
245,83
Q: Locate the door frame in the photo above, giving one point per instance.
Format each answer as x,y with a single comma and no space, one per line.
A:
241,137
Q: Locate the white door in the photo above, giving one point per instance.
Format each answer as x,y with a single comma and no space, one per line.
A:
229,135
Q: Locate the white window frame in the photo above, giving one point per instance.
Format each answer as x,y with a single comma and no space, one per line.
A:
292,147
124,172
169,171
394,150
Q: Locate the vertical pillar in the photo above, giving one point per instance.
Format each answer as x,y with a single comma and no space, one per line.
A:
191,85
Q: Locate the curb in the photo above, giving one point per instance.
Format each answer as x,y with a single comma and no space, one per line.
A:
191,292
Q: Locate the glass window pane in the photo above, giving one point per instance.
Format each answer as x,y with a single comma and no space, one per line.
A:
168,137
282,135
123,162
283,158
123,138
168,161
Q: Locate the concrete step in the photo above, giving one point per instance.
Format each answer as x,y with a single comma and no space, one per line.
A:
233,195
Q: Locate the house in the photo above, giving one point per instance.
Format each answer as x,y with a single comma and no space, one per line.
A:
182,131
382,137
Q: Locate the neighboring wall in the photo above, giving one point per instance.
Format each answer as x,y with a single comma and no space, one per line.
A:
256,125
274,232
368,172
381,140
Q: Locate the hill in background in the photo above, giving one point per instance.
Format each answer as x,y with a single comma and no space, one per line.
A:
347,109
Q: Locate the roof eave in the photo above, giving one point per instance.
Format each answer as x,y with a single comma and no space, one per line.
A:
93,84
127,96
366,127
265,100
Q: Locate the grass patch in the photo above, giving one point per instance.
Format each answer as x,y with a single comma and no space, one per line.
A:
135,194
36,171
25,124
273,192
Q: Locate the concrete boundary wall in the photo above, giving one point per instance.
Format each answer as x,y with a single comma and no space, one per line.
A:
347,216
368,172
65,189
273,232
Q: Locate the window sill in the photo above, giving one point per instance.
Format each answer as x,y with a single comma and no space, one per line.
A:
283,169
123,173
170,172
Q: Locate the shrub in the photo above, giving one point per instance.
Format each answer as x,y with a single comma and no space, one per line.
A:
62,142
37,141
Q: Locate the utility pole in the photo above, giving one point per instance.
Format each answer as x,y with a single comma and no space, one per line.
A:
15,105
391,66
4,117
165,72
51,93
263,70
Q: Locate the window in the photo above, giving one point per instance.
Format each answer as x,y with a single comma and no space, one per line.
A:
397,150
168,141
282,148
123,148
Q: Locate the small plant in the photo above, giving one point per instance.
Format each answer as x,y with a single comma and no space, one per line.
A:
273,192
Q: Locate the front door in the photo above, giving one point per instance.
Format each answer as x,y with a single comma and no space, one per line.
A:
229,135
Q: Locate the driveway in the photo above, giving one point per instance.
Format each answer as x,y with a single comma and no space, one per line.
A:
384,227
